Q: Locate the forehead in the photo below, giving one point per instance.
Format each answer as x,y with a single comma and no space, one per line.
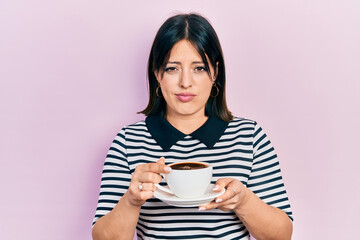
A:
184,50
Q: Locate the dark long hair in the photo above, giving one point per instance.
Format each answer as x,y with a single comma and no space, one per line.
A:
201,34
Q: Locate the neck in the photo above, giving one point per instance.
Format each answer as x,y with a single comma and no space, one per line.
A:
187,124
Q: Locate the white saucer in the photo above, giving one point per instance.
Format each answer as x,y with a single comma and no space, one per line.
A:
172,200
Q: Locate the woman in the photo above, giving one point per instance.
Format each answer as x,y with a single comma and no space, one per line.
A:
187,118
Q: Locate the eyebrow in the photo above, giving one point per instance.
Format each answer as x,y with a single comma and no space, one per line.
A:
196,62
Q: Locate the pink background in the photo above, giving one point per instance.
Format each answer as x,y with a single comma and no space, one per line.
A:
73,73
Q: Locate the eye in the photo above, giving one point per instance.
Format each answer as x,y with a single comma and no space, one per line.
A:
200,69
170,69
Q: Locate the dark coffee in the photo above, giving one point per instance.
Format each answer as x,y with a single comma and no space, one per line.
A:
188,166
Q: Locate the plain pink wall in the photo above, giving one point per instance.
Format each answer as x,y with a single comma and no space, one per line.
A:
73,73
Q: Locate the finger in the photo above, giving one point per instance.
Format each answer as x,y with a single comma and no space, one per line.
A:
223,205
161,161
232,189
145,195
221,183
149,177
147,187
140,196
211,205
158,167
230,192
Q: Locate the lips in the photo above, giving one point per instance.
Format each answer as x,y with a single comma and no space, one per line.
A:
185,97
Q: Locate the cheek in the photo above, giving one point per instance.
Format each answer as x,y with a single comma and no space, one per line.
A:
166,92
168,83
207,89
166,89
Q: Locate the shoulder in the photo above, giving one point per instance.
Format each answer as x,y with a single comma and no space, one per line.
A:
140,125
241,122
137,127
240,127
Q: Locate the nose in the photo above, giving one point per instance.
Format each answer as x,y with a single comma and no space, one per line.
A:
186,79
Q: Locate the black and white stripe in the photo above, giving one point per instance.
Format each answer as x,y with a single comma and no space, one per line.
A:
243,152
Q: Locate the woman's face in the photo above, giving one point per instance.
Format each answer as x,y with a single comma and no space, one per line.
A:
185,83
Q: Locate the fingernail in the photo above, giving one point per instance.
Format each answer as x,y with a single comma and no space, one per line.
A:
216,187
167,168
202,209
218,200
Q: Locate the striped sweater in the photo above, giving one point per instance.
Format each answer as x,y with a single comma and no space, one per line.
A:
239,149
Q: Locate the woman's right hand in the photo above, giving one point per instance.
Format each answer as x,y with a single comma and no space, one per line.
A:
143,179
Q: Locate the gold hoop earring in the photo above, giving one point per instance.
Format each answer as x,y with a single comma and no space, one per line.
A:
217,91
157,92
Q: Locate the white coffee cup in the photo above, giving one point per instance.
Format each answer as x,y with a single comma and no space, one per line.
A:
188,179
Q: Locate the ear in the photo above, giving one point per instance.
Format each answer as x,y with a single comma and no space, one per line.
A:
158,76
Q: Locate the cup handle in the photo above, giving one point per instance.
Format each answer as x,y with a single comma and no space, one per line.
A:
164,189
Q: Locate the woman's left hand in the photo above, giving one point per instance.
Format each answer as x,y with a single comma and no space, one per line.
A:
234,196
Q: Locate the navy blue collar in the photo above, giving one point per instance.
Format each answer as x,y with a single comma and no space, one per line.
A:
166,135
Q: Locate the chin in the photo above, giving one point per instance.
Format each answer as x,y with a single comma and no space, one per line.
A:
188,112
